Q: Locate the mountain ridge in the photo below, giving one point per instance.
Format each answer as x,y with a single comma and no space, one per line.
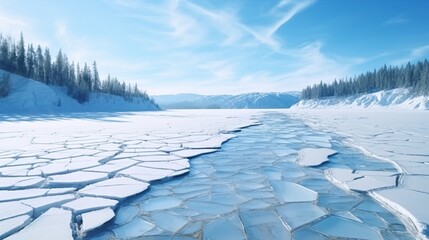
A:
246,100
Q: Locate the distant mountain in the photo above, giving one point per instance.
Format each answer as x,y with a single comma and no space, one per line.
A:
399,98
247,100
29,96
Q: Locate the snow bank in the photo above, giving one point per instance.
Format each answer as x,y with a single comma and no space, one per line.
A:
399,98
29,96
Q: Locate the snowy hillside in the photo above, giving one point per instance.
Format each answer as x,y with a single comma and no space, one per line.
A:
248,100
399,98
29,96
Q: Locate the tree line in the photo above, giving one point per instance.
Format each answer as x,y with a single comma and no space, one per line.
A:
80,80
412,76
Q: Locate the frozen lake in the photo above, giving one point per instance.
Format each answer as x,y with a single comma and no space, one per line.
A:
254,189
124,176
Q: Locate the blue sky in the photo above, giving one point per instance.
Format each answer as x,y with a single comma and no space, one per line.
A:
225,46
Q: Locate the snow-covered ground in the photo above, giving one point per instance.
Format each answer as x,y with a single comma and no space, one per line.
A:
54,168
397,136
400,98
29,97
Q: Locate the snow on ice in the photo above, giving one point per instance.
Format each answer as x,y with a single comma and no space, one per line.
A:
53,167
80,168
399,137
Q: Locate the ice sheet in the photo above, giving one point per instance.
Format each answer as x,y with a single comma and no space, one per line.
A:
94,219
53,224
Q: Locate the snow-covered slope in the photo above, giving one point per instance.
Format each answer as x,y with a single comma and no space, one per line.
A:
29,96
399,98
248,100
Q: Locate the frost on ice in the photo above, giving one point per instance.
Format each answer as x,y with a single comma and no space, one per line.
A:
254,189
83,166
53,224
82,169
397,137
94,219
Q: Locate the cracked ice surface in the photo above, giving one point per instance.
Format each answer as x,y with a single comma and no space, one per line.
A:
255,189
82,164
399,137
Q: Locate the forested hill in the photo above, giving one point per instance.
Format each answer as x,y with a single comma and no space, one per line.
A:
80,80
415,77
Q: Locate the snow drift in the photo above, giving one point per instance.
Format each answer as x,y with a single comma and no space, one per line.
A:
29,96
400,98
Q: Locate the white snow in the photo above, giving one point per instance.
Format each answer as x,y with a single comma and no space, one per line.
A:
397,136
409,203
188,153
314,156
29,96
12,225
20,182
42,204
93,152
13,209
156,146
53,224
9,195
400,98
362,181
86,204
116,188
94,219
76,178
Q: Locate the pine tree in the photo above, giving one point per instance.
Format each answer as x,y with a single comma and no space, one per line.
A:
58,68
4,54
96,78
37,64
13,62
31,62
47,67
4,85
39,69
22,68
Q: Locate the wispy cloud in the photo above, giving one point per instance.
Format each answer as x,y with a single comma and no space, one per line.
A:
223,22
295,8
172,46
414,54
399,19
13,25
419,52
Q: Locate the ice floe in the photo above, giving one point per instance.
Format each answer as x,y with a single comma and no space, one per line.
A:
12,225
345,228
41,204
115,188
13,209
86,204
299,214
288,192
314,156
362,180
94,219
53,224
253,188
